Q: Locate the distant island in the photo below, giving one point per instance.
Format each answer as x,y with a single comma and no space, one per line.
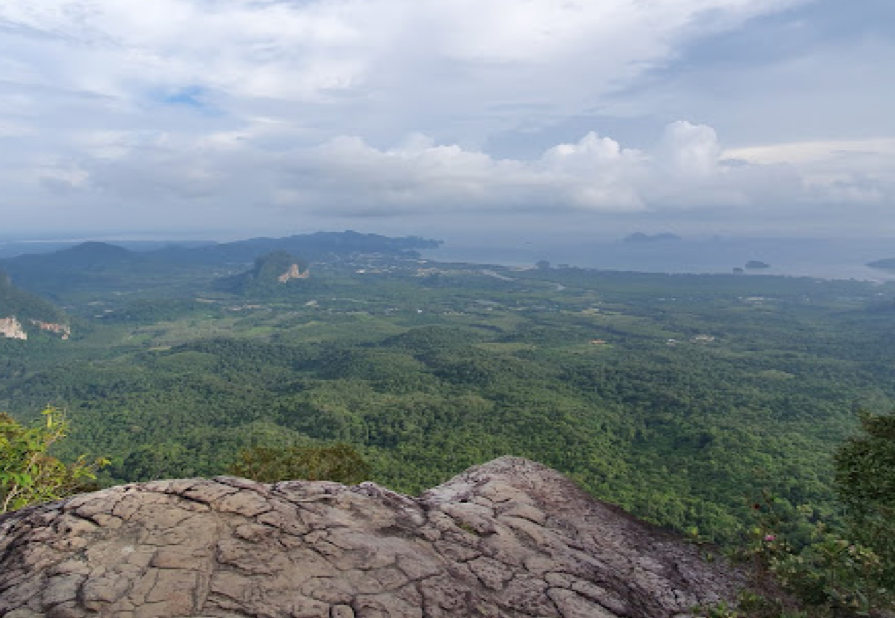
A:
756,265
888,264
641,237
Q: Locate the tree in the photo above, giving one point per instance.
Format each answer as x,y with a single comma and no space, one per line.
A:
160,460
340,463
28,473
851,571
865,480
844,571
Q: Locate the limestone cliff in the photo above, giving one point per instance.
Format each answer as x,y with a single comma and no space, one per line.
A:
294,272
268,276
11,328
509,538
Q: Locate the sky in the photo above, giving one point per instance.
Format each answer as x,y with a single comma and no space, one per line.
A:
235,118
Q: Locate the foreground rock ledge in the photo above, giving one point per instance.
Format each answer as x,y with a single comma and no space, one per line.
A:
508,538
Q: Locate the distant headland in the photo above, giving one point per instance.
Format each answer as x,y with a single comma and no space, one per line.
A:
641,237
888,264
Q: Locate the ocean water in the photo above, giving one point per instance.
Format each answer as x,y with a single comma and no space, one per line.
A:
821,258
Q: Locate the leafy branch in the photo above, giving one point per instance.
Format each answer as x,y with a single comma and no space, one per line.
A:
28,473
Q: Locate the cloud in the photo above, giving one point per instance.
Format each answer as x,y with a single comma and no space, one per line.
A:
431,64
689,150
685,170
124,113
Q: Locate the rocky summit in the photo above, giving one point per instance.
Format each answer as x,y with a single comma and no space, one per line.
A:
508,538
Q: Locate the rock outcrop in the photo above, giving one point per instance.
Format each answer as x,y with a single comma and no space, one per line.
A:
11,328
294,272
509,538
51,327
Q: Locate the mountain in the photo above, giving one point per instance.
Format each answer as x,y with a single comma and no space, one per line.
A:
274,273
88,256
97,271
510,538
10,249
89,265
23,313
315,246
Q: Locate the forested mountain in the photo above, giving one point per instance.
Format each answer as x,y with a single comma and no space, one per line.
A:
93,266
275,273
94,257
317,246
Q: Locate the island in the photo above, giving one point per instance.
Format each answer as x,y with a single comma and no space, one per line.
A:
756,265
888,264
641,237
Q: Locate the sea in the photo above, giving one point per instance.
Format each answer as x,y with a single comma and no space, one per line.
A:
797,257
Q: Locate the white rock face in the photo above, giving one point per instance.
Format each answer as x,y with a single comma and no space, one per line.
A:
510,538
11,328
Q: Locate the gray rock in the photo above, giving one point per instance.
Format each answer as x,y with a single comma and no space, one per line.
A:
510,538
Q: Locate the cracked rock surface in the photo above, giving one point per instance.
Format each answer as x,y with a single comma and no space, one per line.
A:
508,538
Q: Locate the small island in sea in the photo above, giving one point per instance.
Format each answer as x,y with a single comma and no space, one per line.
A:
641,237
756,265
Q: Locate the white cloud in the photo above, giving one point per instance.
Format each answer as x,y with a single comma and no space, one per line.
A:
835,171
468,54
347,176
690,150
811,152
232,111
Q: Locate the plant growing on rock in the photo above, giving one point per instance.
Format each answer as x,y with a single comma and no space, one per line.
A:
28,473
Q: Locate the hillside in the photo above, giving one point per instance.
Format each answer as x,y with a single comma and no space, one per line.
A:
23,314
510,538
91,266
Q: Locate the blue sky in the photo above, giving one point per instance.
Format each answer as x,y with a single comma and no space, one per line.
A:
226,118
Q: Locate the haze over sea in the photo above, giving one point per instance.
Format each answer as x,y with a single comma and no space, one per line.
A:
822,258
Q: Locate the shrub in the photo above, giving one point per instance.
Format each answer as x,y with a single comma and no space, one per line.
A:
339,462
28,473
